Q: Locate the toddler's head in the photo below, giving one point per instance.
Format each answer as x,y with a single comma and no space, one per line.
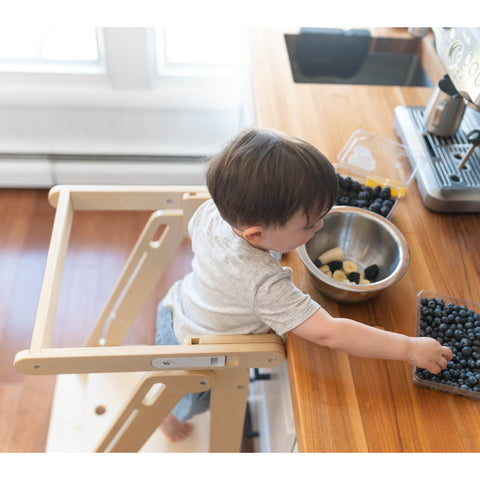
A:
264,177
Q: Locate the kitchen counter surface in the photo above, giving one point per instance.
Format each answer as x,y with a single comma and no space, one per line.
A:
343,403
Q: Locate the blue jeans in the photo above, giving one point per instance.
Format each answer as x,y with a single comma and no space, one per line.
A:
192,403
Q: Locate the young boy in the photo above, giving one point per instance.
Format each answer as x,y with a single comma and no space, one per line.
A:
269,193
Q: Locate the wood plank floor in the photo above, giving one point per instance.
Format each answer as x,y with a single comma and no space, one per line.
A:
99,245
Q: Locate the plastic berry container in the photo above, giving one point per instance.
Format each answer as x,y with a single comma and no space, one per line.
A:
458,322
372,160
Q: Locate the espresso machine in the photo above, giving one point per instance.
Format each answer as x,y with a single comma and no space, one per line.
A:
443,137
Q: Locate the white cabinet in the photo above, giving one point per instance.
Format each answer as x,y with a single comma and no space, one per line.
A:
271,412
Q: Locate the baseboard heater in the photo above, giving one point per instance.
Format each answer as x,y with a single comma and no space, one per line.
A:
44,171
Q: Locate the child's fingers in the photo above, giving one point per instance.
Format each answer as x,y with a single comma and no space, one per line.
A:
447,353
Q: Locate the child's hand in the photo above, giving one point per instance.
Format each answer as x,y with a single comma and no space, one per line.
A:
426,352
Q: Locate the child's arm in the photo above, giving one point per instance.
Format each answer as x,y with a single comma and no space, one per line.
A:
361,340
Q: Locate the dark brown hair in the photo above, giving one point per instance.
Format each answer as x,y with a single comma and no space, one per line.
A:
263,177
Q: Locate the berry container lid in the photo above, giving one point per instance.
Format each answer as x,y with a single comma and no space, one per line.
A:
373,160
463,341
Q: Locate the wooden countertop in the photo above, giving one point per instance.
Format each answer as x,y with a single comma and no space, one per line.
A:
344,403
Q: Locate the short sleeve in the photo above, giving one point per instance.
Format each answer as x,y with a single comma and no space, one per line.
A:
280,304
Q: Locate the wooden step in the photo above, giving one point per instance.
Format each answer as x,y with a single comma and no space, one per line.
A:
84,405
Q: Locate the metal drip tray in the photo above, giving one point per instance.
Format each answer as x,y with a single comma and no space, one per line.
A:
447,152
442,185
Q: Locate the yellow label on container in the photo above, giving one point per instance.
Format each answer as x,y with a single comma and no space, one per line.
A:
396,189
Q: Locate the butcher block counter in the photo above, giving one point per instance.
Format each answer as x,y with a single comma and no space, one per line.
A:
343,403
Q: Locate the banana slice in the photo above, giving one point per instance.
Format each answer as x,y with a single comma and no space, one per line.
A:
332,255
364,281
340,275
349,266
326,269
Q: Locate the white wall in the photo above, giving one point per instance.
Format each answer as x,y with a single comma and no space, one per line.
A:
82,119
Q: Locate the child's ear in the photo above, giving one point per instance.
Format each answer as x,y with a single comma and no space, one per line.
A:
253,235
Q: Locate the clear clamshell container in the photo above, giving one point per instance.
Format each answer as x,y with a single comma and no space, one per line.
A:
465,337
373,160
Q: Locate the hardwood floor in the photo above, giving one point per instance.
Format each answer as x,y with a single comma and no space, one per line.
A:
99,245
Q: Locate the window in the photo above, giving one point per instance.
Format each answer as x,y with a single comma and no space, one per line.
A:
201,46
130,57
52,49
122,90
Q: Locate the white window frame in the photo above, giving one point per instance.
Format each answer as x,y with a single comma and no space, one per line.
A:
126,76
88,113
26,67
167,69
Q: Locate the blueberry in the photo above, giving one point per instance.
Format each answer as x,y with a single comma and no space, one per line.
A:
458,334
466,351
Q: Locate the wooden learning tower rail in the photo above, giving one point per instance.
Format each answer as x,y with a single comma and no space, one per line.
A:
156,377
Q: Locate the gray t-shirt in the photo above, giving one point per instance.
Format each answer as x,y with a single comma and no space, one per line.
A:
234,288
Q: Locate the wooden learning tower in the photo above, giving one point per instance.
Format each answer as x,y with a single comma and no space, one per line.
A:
144,381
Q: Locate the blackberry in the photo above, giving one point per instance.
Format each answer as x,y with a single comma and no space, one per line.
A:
361,203
376,191
352,198
317,263
335,265
356,187
389,203
375,207
354,277
343,200
353,193
364,195
385,193
384,211
347,183
371,272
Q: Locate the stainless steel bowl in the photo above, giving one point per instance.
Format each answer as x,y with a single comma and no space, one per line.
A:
366,238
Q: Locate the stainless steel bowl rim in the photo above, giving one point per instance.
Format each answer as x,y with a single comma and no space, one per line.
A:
393,278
